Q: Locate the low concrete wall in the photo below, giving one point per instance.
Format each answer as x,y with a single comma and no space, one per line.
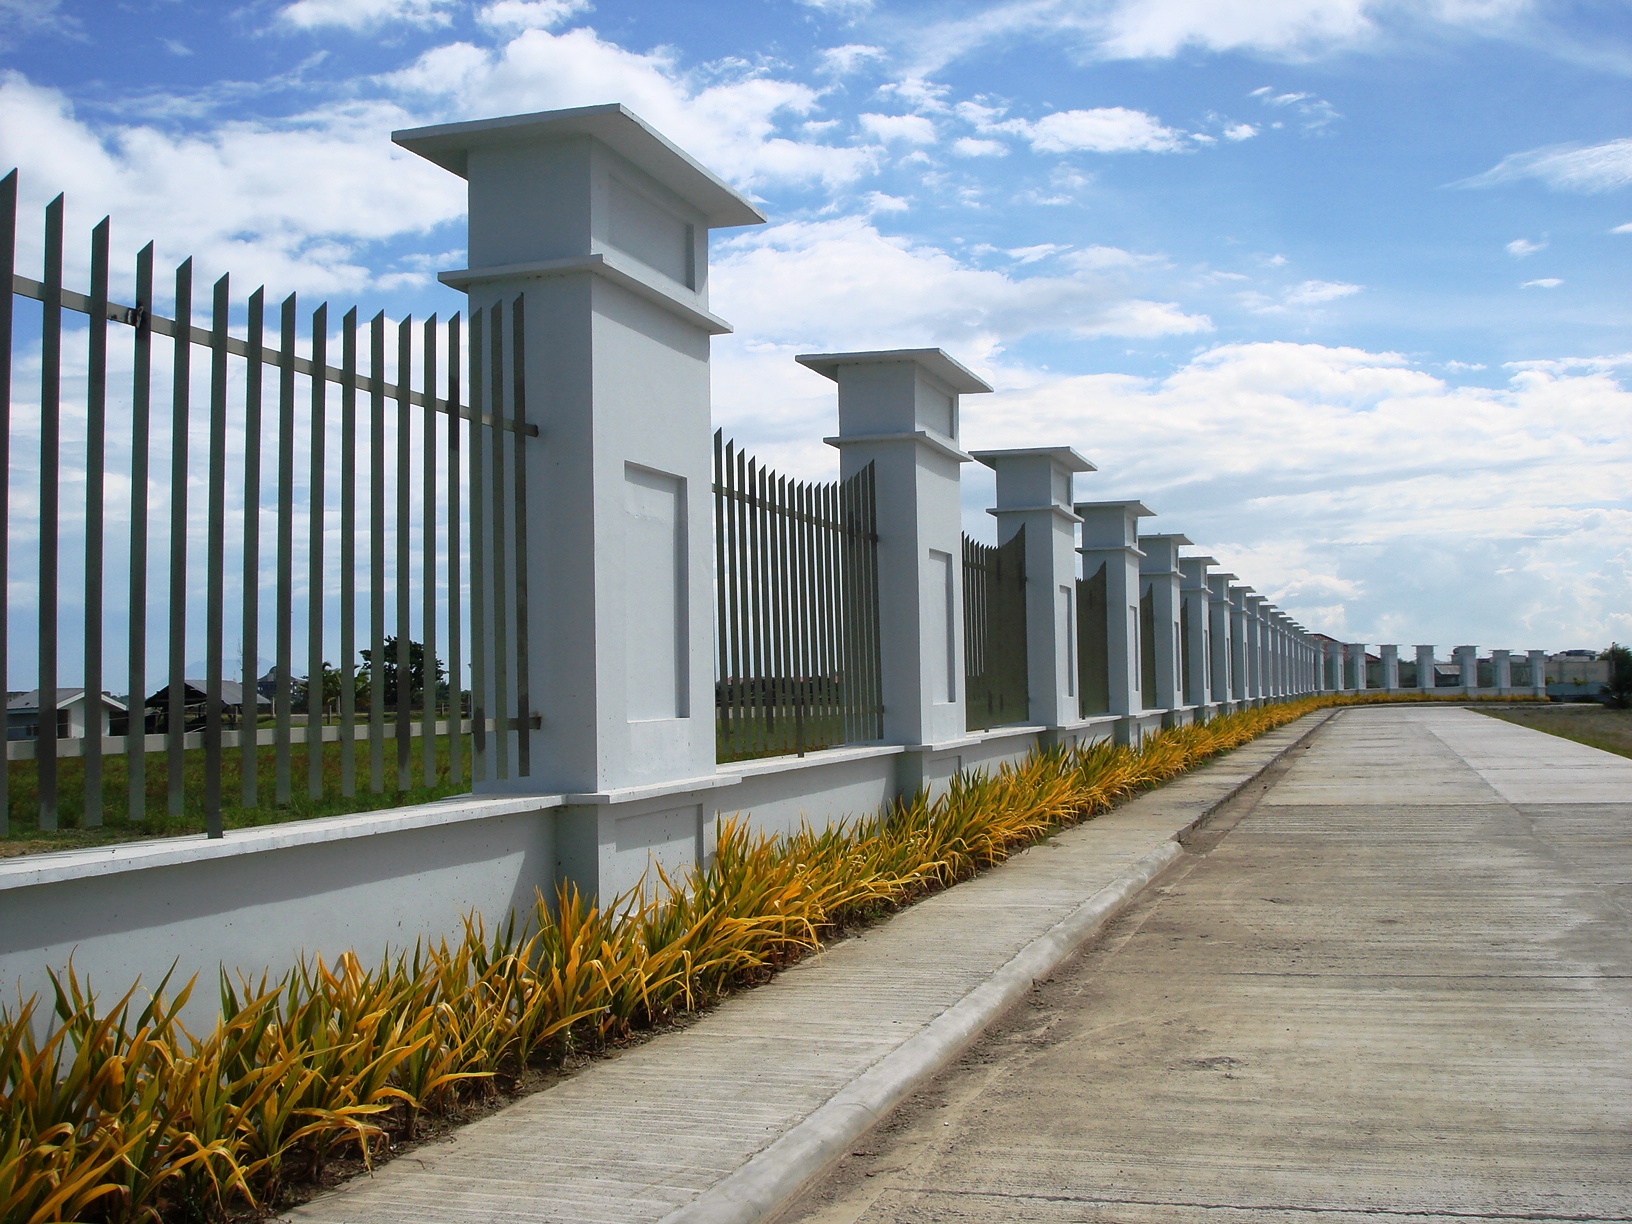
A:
261,899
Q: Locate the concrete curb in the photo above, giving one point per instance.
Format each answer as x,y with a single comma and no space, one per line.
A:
772,1176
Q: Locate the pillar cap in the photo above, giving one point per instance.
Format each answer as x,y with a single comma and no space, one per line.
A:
1137,509
1207,561
449,144
933,361
1175,536
1061,456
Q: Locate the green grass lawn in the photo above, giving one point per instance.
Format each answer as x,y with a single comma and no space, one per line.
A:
25,837
1585,723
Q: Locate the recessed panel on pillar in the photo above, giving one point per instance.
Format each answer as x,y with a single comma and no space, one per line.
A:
939,620
655,628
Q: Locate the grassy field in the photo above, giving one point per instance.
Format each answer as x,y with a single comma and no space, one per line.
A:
25,837
1585,723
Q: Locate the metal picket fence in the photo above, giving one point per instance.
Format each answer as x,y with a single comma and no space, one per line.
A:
994,632
797,662
449,537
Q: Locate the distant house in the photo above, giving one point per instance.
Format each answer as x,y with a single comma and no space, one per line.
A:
75,712
195,699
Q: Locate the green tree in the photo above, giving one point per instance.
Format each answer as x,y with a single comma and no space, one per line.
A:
388,674
1619,688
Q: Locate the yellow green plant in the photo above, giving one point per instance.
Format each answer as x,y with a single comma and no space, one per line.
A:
120,1114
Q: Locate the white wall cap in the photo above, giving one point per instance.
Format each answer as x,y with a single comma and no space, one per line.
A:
1134,509
1172,536
1207,561
932,361
1062,456
1223,576
614,125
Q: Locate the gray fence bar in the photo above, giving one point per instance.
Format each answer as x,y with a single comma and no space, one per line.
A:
501,632
376,553
402,697
478,571
284,615
315,586
518,423
50,446
96,407
456,770
141,398
215,559
181,398
348,554
8,268
249,676
427,556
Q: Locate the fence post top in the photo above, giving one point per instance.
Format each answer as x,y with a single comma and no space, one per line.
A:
614,125
1162,552
1062,458
937,363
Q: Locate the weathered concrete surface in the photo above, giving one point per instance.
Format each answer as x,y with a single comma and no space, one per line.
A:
704,1121
1397,989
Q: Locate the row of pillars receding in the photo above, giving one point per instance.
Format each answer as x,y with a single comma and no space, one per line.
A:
602,225
1346,667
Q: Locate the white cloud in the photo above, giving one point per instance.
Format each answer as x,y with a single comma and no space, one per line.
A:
842,61
730,119
25,18
843,8
364,14
1104,129
879,202
1147,29
841,283
1313,292
1622,229
1519,248
1582,168
1240,131
912,129
975,146
291,204
1340,482
1545,282
509,16
1315,112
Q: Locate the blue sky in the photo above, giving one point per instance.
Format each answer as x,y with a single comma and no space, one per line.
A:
1338,287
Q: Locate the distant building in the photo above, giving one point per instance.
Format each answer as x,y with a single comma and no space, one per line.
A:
75,712
195,699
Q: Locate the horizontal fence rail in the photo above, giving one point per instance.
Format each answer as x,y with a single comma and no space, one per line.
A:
994,632
797,659
285,436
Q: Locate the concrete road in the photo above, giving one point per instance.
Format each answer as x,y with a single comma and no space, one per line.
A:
1397,987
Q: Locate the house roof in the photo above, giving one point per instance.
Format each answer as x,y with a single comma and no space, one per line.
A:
65,696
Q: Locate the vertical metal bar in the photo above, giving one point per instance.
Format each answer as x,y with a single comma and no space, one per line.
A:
141,397
759,607
315,586
376,554
875,677
518,414
283,701
404,541
456,704
782,541
734,562
348,554
427,614
501,634
215,560
478,568
50,447
249,648
96,423
722,643
181,397
8,269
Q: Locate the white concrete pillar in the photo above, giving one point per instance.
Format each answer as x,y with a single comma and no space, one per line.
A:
1160,574
1221,658
1256,638
1391,667
1197,597
1538,672
1425,668
1357,664
1467,662
1240,649
1502,665
1110,533
898,410
602,226
1034,492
